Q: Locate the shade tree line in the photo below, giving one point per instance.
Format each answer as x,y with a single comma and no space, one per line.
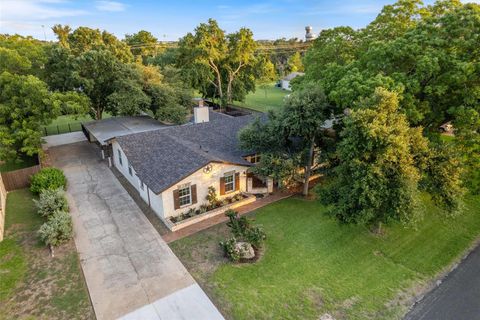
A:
89,71
388,86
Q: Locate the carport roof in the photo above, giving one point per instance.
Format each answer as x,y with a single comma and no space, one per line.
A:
109,128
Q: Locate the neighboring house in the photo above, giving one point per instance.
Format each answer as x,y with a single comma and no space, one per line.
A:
285,82
172,168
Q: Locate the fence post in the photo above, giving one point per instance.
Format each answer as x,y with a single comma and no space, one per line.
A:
69,128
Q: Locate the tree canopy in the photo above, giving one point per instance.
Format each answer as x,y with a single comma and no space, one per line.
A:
84,39
218,64
26,105
287,141
428,55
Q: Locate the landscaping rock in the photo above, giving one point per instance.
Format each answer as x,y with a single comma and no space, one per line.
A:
326,316
245,250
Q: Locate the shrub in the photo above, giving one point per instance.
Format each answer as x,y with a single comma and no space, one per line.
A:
238,197
242,228
57,230
51,201
255,236
203,208
48,179
190,212
212,197
230,250
238,225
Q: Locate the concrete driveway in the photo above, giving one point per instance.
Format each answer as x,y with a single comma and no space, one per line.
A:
130,271
456,298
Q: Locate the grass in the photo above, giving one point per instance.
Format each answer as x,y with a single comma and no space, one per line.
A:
313,265
264,99
34,285
25,162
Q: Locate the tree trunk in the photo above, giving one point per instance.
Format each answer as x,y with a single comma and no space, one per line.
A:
98,113
52,253
229,89
308,168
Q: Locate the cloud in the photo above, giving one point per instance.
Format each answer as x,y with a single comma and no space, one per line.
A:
36,9
112,6
34,17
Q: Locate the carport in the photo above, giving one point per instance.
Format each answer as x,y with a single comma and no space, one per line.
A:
100,131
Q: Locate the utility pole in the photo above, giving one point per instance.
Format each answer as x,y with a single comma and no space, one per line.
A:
44,33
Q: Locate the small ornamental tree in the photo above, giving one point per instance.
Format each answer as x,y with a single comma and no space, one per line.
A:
57,230
48,179
51,201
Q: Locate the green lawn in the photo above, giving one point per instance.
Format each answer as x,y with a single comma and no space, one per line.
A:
34,285
313,265
264,99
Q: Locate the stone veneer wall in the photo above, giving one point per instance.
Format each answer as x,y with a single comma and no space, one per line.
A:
3,199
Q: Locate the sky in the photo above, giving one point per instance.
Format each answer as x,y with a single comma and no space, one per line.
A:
170,20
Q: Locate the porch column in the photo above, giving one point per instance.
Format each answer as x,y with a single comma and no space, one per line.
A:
269,185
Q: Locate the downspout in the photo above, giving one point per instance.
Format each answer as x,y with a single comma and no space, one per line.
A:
148,195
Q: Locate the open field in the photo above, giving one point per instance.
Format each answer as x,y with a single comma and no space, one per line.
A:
313,265
264,99
34,285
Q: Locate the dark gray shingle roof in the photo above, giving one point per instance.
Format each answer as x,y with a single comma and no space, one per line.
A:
163,157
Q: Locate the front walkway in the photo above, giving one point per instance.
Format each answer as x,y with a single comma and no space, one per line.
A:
130,271
187,231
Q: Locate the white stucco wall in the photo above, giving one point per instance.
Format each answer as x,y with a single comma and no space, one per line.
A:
203,181
123,168
163,203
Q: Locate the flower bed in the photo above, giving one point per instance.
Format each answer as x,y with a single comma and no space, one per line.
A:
207,211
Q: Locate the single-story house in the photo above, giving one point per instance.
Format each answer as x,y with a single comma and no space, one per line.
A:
172,168
285,82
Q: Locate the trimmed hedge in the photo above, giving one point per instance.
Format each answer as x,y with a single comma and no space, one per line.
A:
48,179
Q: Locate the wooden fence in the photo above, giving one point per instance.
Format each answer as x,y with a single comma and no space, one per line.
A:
3,200
19,179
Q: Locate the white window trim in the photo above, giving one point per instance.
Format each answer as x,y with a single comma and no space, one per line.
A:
130,170
229,174
181,187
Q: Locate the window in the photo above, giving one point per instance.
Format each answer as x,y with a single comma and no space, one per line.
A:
120,157
230,182
130,170
184,196
142,186
253,159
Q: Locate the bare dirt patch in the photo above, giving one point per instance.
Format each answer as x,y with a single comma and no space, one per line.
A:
52,288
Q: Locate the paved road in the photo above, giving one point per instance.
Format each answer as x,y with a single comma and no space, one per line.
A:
457,298
130,271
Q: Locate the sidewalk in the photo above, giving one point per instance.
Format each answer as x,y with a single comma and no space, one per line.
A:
205,224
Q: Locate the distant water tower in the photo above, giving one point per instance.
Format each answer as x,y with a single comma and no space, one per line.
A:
309,35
